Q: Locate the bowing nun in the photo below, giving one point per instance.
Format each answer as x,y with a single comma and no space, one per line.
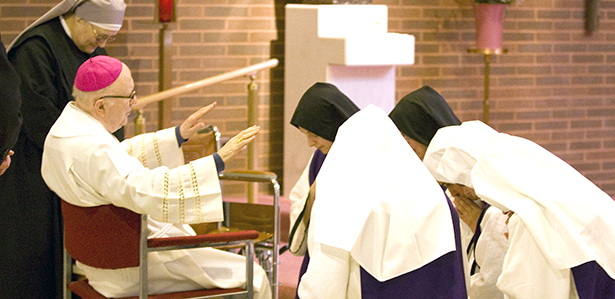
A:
322,109
380,226
488,244
560,229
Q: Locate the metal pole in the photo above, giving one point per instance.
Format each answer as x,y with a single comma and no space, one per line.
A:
486,101
276,239
252,147
139,123
165,75
487,53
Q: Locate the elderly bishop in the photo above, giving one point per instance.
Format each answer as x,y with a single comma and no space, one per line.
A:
87,166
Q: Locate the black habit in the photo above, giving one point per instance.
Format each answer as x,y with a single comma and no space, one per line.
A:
421,113
46,60
10,101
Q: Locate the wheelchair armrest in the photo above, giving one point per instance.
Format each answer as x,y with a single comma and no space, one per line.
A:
248,176
199,240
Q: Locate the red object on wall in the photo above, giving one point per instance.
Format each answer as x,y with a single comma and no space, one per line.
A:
165,10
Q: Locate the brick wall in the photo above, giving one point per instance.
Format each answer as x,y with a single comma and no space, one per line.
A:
555,84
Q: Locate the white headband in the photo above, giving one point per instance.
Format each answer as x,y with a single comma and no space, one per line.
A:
452,154
106,14
112,18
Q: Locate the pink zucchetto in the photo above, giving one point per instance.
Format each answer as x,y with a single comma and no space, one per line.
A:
97,73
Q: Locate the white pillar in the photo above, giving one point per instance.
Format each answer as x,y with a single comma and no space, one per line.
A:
345,45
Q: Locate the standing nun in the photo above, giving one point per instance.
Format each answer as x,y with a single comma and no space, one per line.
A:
381,226
46,56
418,116
322,109
10,101
560,229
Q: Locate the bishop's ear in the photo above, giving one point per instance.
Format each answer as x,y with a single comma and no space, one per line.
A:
99,107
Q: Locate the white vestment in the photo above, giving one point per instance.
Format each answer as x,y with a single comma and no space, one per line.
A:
489,254
346,283
561,219
376,207
492,245
87,166
564,220
527,274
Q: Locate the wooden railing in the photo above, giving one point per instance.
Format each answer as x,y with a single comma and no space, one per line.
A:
169,93
249,71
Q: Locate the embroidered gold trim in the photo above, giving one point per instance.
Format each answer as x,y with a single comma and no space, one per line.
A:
182,199
165,201
157,149
195,189
130,145
143,153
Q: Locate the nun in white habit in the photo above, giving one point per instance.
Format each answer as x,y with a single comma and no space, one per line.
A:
561,230
381,227
488,244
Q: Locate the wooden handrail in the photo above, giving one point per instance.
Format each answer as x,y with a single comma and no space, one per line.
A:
159,96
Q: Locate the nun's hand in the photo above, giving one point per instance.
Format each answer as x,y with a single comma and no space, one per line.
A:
6,163
468,211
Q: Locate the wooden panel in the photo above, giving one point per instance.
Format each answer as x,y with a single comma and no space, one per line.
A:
199,145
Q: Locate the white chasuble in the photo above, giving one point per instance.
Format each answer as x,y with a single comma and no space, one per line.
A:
87,166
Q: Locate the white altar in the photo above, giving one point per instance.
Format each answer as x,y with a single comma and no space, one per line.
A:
343,44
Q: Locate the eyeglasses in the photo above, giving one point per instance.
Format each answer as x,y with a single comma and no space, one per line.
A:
102,37
131,96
